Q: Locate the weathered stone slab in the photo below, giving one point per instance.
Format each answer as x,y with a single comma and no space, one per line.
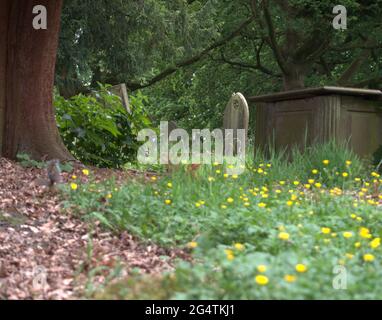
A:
121,91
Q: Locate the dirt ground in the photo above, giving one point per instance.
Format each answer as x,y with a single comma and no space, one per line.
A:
48,253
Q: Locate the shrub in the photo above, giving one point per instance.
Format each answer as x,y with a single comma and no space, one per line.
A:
97,130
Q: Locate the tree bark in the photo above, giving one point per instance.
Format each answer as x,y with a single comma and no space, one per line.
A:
294,78
27,65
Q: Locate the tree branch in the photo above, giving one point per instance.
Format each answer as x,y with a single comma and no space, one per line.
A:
189,61
368,82
257,67
272,37
345,78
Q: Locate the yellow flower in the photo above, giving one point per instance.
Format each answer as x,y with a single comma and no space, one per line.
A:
109,196
282,183
74,186
326,230
168,201
284,236
375,243
365,233
239,246
235,177
290,203
154,178
262,268
262,280
301,268
230,200
345,174
315,171
223,206
349,256
225,175
192,245
218,171
368,257
296,183
357,244
74,177
85,172
347,234
230,257
262,205
169,185
348,163
326,162
318,185
230,254
290,278
211,179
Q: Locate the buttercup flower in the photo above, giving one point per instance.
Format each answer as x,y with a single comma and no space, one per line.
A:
349,256
301,268
262,280
347,234
239,246
74,186
192,245
368,257
365,233
262,268
284,236
86,172
326,230
290,278
375,243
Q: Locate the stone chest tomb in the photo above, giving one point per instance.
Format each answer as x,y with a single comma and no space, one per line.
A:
319,115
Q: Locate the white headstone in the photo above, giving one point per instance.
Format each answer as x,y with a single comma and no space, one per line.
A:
236,116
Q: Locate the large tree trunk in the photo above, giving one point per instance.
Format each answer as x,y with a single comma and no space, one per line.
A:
27,63
294,78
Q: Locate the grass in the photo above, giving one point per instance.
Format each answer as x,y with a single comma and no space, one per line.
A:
282,230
